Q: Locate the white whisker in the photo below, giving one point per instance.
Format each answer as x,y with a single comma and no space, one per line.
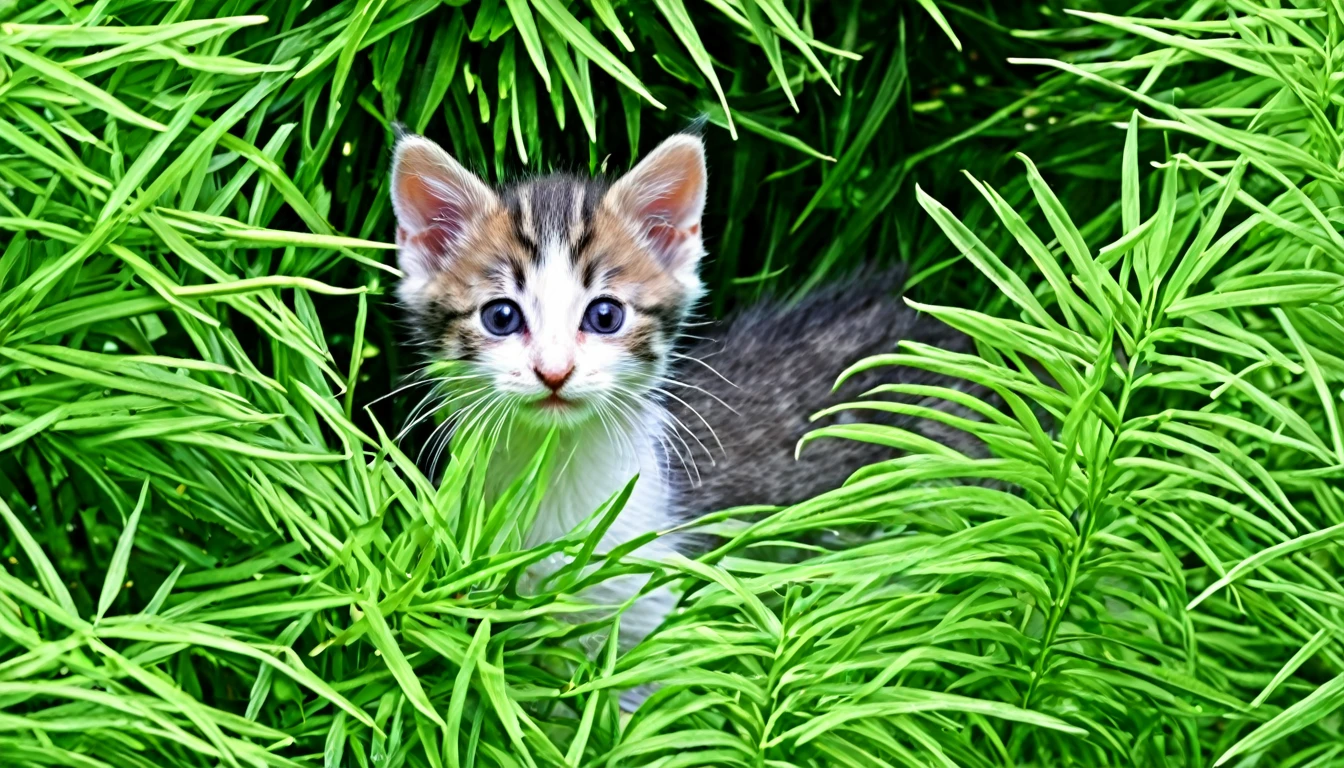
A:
459,424
422,382
702,390
414,419
711,368
624,441
712,433
444,431
631,409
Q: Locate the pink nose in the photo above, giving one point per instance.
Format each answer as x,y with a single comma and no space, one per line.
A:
554,379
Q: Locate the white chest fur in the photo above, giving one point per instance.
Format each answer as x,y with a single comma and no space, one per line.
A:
592,463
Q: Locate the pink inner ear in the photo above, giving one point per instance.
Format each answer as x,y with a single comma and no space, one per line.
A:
426,208
678,198
436,201
435,242
665,237
664,197
432,220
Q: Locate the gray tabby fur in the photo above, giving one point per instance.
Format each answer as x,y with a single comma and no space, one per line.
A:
783,361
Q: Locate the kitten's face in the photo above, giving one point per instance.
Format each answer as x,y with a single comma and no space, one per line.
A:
561,298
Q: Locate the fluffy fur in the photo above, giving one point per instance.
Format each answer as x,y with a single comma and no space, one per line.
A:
758,377
555,245
552,247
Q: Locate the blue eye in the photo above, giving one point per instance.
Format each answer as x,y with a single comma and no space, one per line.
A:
603,316
502,317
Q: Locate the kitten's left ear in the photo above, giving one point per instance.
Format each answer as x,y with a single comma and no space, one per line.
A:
437,202
664,198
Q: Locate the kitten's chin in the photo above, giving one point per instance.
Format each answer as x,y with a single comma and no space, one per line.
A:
554,410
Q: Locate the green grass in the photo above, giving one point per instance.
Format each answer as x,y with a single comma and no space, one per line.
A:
216,555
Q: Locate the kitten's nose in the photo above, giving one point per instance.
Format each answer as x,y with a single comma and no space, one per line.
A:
554,378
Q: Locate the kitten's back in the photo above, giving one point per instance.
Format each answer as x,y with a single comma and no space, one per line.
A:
783,361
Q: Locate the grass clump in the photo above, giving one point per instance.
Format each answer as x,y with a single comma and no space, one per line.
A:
215,552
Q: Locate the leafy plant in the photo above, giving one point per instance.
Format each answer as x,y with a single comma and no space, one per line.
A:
219,554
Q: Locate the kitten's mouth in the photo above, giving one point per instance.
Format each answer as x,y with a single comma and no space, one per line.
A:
554,402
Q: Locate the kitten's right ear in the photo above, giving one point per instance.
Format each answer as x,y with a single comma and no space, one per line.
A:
436,201
663,199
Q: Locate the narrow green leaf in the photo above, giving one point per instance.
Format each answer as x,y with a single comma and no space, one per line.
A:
680,21
446,49
1323,701
86,91
527,30
46,572
1304,654
396,661
121,557
608,16
932,8
578,36
461,687
1266,556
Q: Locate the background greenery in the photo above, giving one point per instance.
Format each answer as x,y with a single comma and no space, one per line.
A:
217,556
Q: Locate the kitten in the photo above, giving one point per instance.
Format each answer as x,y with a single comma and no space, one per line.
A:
565,300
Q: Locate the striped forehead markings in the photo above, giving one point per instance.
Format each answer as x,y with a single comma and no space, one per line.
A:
554,211
513,268
520,216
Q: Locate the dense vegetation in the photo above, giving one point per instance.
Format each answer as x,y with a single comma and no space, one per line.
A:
218,553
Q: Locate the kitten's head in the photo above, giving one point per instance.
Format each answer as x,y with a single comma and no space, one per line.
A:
560,295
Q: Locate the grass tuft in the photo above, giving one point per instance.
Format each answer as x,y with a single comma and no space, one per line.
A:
219,550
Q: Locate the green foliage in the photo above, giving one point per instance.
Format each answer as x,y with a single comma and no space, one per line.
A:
219,553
